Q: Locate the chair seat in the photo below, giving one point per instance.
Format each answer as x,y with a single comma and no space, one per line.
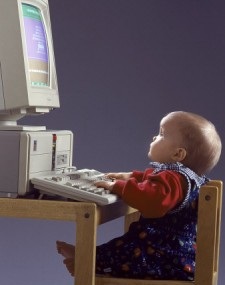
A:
121,281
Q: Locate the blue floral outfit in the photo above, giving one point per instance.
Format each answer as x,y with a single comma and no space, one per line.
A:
157,248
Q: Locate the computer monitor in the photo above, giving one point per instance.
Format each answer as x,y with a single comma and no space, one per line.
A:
28,81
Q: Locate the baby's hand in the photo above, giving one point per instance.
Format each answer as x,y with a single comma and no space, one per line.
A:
119,175
108,185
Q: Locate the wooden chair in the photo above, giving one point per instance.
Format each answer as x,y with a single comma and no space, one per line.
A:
88,216
208,241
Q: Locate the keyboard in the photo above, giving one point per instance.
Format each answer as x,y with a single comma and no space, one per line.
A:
76,185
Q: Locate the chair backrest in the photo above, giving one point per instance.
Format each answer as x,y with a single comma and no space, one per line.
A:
208,242
208,233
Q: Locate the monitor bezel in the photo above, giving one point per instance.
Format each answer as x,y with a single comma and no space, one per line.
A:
15,77
53,85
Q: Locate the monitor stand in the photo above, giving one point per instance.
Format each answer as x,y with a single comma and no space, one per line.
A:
8,122
5,126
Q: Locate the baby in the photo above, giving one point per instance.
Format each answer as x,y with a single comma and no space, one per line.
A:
162,244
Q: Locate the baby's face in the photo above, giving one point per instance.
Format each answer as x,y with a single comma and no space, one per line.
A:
164,146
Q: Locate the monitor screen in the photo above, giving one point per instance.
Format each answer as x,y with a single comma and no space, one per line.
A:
28,80
36,46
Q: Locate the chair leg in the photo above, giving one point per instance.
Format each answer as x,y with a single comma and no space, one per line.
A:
130,218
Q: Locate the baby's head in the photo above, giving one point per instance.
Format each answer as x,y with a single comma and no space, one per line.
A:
187,138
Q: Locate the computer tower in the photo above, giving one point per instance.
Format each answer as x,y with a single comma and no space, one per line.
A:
27,154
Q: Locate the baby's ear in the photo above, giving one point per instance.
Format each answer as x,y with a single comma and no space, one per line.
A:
180,154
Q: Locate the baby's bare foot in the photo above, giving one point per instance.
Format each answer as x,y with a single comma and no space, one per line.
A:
69,262
65,249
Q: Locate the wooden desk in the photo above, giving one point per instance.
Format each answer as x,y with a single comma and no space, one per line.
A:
87,217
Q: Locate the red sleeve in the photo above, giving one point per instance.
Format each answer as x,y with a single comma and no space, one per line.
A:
138,175
155,195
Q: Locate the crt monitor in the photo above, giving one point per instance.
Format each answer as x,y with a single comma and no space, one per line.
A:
28,81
